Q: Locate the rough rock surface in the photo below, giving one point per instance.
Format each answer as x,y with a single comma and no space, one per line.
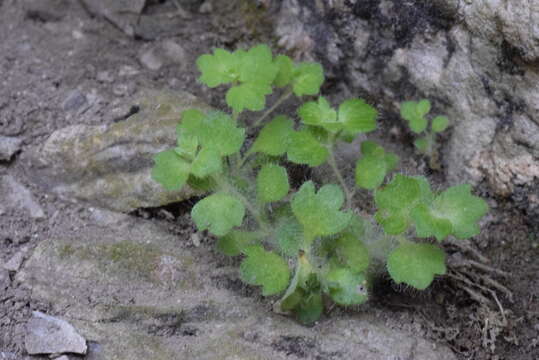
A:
8,147
134,292
14,195
476,60
50,335
110,165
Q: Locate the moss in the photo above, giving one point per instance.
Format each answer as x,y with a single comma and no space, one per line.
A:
137,258
66,250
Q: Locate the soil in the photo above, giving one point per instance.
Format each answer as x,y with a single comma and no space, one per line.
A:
486,308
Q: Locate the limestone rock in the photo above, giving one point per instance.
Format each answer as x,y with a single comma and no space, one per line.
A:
139,293
110,165
50,335
8,147
17,196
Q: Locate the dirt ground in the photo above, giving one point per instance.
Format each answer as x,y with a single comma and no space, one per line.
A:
486,308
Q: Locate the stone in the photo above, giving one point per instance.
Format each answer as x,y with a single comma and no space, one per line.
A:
74,101
4,280
63,357
110,165
9,146
17,196
163,54
15,262
121,13
140,293
50,335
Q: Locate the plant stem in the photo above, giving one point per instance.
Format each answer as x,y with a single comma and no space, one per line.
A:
283,97
333,163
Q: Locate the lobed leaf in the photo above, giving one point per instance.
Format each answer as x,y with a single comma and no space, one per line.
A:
272,183
274,137
357,116
414,113
285,71
319,213
257,66
251,96
352,252
207,162
346,287
235,242
308,77
266,269
219,213
416,264
319,114
220,68
373,167
170,170
304,148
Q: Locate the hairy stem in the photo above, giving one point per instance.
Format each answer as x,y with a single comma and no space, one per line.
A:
279,101
333,163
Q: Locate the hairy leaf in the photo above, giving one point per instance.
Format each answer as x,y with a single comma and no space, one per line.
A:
274,138
346,287
257,66
272,183
219,213
440,123
207,162
415,113
220,68
305,149
308,77
266,269
170,170
319,212
285,71
357,116
416,264
235,242
319,114
251,96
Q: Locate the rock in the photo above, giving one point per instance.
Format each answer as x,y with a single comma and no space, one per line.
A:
140,293
63,357
8,147
121,13
110,165
105,77
45,10
15,262
74,101
476,61
4,280
50,335
165,53
17,196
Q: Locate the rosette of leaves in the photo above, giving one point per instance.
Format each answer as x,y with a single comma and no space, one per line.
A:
306,243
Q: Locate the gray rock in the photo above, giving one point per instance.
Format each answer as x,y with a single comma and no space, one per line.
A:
110,165
165,53
122,13
476,61
74,101
51,335
17,196
9,146
63,357
4,279
133,287
15,262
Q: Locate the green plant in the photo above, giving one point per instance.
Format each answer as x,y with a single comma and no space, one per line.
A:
305,243
414,113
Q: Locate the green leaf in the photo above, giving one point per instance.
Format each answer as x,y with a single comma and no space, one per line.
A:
372,168
285,72
310,308
416,264
357,116
305,149
235,242
266,269
352,252
274,138
207,162
308,77
319,114
427,224
423,107
272,183
296,289
397,199
462,209
251,96
219,213
202,184
421,144
289,236
257,66
187,147
319,213
414,114
440,123
215,130
170,170
217,69
346,287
